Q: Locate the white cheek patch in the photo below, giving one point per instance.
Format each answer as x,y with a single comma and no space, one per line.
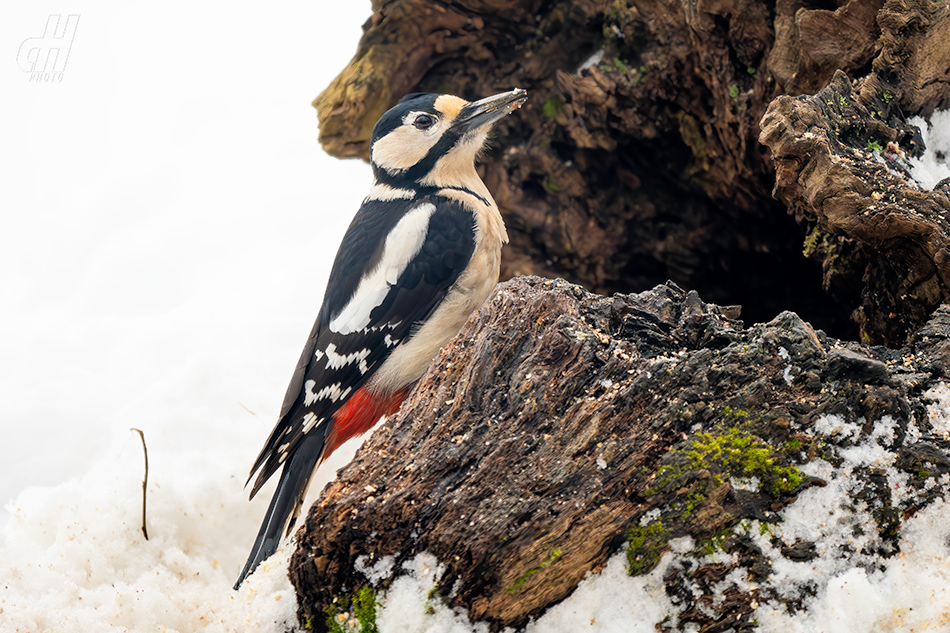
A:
405,145
402,245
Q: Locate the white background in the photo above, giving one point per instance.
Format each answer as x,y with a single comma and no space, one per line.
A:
168,219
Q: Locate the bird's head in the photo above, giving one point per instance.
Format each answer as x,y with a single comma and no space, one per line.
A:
430,137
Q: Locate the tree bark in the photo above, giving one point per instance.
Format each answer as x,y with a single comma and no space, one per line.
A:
560,427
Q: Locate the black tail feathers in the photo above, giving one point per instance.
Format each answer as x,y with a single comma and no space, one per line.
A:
285,504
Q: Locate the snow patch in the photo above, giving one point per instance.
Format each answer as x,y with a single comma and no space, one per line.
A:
911,593
74,558
938,411
593,60
832,424
932,166
376,573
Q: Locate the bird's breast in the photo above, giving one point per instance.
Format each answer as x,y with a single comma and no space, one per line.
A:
410,360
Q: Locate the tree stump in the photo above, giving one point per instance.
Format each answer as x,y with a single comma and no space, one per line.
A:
754,151
560,427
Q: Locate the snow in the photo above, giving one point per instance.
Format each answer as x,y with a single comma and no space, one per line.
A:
911,594
608,602
932,167
938,411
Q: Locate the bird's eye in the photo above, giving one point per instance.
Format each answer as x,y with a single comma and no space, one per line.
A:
423,122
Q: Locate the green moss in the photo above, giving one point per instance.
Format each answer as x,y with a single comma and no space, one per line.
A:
794,444
734,91
551,185
715,544
740,454
729,412
552,107
735,453
622,67
645,545
751,71
812,242
641,72
875,146
365,609
518,584
888,97
353,613
693,501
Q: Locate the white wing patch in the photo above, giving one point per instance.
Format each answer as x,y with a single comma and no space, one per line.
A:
402,245
310,420
335,361
333,392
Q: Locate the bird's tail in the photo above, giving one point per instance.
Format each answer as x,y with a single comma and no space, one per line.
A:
360,412
285,504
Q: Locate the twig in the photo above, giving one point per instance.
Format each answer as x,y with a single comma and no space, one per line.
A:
144,481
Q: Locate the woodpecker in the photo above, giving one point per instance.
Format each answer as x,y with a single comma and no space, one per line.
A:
421,254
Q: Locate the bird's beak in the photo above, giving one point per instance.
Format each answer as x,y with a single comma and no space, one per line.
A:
488,110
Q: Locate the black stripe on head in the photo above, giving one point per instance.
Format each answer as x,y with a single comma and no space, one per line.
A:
450,139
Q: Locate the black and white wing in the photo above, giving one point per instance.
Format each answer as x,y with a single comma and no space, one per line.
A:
397,261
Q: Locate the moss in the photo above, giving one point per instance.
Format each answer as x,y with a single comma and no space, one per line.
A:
353,613
814,239
741,454
518,584
552,107
735,453
693,501
645,545
622,67
715,544
734,91
794,444
875,146
551,185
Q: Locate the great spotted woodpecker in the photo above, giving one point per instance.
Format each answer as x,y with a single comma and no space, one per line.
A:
420,256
